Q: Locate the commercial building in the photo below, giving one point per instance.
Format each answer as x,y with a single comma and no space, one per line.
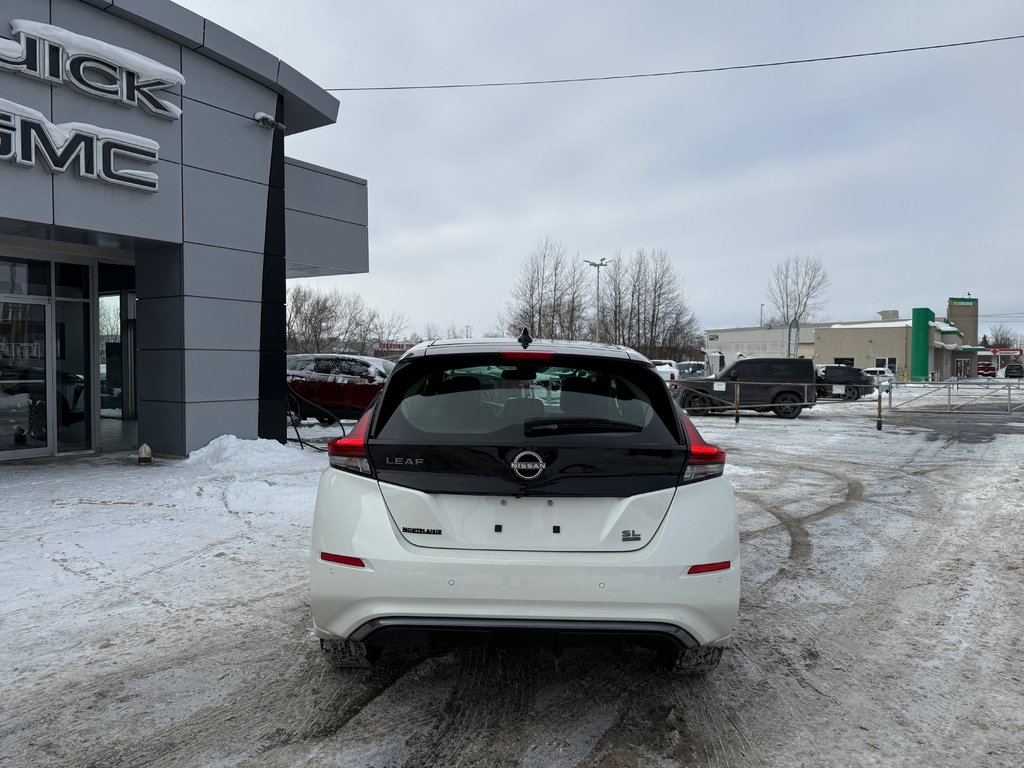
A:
918,348
148,220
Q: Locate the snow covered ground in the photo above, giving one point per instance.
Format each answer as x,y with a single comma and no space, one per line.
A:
157,616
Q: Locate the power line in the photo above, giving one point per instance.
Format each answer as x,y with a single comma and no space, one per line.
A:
701,71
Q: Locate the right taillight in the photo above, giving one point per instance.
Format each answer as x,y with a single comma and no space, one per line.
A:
349,452
705,460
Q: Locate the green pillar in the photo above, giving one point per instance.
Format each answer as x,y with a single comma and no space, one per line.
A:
920,343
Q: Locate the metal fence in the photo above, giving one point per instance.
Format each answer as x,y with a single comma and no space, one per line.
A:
954,396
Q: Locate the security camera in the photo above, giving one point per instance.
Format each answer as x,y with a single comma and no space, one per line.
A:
268,121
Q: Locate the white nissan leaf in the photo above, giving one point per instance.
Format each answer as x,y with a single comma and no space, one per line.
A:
520,491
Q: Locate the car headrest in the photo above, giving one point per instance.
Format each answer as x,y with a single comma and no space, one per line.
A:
522,408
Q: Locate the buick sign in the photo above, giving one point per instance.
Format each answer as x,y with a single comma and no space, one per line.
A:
59,57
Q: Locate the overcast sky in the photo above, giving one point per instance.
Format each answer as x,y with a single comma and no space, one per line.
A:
903,173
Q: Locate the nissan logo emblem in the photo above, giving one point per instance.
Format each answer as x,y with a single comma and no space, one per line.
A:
528,465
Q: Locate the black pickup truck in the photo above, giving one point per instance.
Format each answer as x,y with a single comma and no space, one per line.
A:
782,385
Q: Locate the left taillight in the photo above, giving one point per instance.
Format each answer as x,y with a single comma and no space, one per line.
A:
349,452
705,460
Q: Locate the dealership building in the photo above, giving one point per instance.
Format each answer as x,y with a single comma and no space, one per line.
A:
148,221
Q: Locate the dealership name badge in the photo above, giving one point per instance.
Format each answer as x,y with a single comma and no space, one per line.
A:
58,57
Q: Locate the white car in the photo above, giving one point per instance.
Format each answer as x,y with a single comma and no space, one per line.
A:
461,503
668,372
882,377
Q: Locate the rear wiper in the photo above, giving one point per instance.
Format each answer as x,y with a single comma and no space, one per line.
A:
568,424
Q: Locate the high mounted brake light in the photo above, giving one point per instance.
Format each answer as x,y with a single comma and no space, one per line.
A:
705,460
349,452
526,355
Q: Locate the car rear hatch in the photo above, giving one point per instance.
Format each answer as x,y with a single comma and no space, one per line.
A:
480,452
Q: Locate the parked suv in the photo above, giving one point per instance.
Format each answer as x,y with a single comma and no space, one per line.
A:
1013,371
470,501
329,387
782,385
843,381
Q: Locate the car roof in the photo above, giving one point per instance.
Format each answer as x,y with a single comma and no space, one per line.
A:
497,346
336,356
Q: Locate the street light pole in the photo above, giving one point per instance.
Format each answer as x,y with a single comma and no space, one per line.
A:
597,265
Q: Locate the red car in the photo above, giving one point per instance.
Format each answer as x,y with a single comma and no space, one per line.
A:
986,369
332,387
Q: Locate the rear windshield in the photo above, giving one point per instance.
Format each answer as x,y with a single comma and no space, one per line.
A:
498,400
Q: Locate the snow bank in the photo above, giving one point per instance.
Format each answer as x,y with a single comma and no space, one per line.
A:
228,453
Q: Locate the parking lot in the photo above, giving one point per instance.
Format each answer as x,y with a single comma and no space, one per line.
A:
158,616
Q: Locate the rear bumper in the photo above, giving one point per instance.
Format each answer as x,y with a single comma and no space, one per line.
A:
402,630
436,587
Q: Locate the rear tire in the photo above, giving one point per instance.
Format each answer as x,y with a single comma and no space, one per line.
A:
787,406
694,662
346,654
696,404
326,421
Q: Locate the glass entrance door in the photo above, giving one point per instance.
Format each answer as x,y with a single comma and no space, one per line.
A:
26,424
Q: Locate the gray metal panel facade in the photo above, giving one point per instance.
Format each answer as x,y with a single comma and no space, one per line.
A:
160,325
23,9
206,421
162,426
208,82
324,193
222,273
237,377
326,243
225,211
160,374
106,208
33,201
244,152
221,324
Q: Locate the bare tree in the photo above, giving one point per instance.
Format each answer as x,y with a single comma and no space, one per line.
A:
797,289
321,320
110,318
552,297
431,332
1003,337
390,326
311,318
645,307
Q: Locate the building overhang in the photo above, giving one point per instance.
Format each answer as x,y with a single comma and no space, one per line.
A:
306,105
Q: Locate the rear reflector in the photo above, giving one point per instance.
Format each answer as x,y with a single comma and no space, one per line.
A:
527,355
355,562
708,567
